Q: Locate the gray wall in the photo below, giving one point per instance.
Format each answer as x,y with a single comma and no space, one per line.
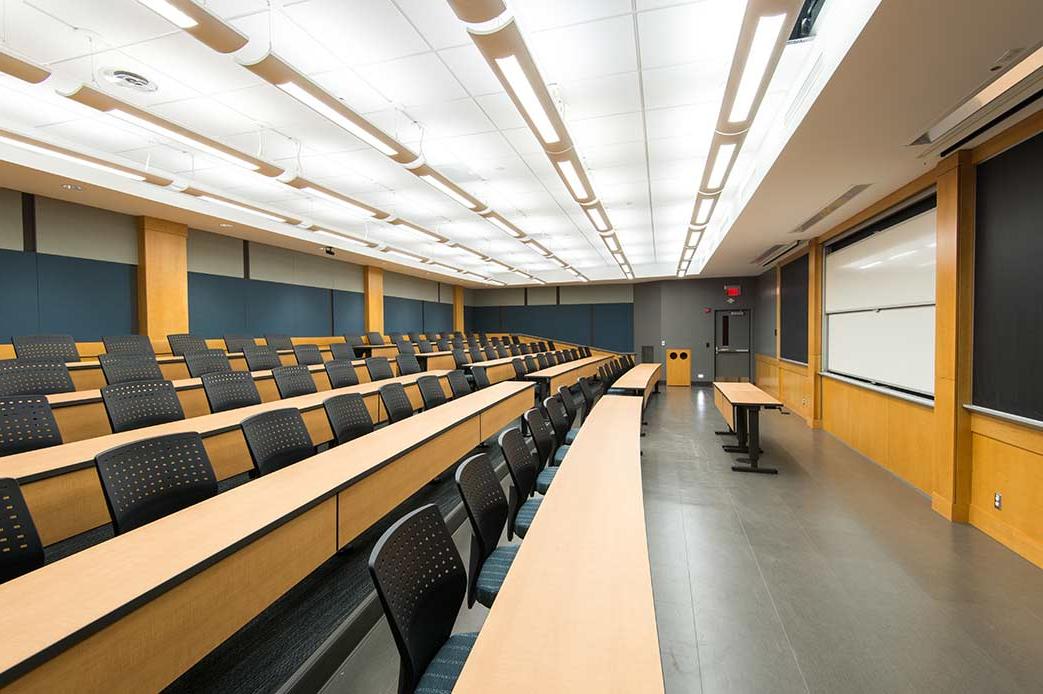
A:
10,220
764,314
78,231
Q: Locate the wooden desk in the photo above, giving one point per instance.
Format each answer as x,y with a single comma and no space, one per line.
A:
567,374
740,405
641,380
576,613
133,613
497,370
61,484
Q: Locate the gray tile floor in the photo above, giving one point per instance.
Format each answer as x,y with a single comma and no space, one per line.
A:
833,576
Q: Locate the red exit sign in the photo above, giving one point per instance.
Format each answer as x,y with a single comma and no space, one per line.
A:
732,290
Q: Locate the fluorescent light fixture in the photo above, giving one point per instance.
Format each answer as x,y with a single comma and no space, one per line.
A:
505,227
597,218
721,162
681,273
449,191
687,255
869,265
336,200
702,214
612,242
618,255
183,139
330,113
575,272
242,208
514,74
765,36
572,179
342,237
29,147
560,262
170,13
405,254
628,274
903,254
539,248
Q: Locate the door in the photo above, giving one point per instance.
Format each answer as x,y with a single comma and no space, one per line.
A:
732,345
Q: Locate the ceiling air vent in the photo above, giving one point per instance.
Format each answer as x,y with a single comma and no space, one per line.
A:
129,80
774,253
832,207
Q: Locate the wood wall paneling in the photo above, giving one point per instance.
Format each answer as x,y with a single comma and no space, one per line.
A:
373,290
458,308
162,277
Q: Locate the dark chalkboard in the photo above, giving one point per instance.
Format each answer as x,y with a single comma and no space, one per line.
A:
793,310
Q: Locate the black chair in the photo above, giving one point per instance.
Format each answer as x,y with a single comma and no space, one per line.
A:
375,338
559,421
396,402
45,348
543,437
590,395
27,424
501,351
486,508
124,368
141,404
21,550
460,358
230,390
404,346
396,337
431,391
307,355
519,368
541,346
523,468
379,368
407,364
569,356
184,343
490,353
443,345
571,411
128,344
530,364
425,346
278,341
524,348
343,351
541,360
34,378
586,351
514,349
481,377
146,480
210,361
235,343
483,338
341,373
552,358
292,381
421,581
474,350
349,417
550,345
353,340
260,358
458,383
276,439
575,354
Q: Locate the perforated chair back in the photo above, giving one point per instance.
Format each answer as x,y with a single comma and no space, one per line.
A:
128,344
21,550
514,349
521,461
550,345
570,404
421,581
349,417
523,348
261,358
457,343
519,368
407,364
586,351
278,341
353,339
379,368
125,368
341,373
541,360
589,396
375,338
460,357
230,390
443,344
486,507
184,343
307,355
559,419
458,383
404,346
277,439
293,381
211,361
530,364
501,351
542,436
34,378
235,343
48,348
141,404
342,351
569,356
575,354
490,353
396,402
26,424
146,480
431,391
481,377
425,346
552,359
474,349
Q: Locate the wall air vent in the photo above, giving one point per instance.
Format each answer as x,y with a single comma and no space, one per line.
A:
848,195
773,253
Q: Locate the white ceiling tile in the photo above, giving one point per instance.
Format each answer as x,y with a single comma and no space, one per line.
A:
452,119
288,40
537,15
501,111
345,84
189,62
608,130
100,132
470,67
678,85
130,23
602,96
359,32
690,33
436,22
414,81
585,51
206,116
695,122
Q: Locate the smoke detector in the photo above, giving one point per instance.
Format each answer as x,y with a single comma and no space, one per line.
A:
129,80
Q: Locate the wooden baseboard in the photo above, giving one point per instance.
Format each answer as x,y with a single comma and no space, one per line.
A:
1007,535
949,510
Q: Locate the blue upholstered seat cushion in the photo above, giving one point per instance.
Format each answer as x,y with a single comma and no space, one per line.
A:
526,514
492,573
441,674
559,455
544,479
570,436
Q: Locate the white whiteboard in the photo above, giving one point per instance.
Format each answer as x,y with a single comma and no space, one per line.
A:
894,267
893,347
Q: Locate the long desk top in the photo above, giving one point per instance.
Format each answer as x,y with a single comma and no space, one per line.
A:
745,394
575,613
639,377
97,586
552,372
46,462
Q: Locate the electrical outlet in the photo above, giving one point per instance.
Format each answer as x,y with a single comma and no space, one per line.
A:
997,500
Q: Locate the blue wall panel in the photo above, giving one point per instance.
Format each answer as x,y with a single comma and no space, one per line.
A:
348,312
86,298
438,317
468,318
20,309
486,319
403,315
290,309
613,327
217,304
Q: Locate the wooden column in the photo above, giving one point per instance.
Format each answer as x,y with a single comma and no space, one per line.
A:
954,306
373,288
162,278
458,308
815,266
